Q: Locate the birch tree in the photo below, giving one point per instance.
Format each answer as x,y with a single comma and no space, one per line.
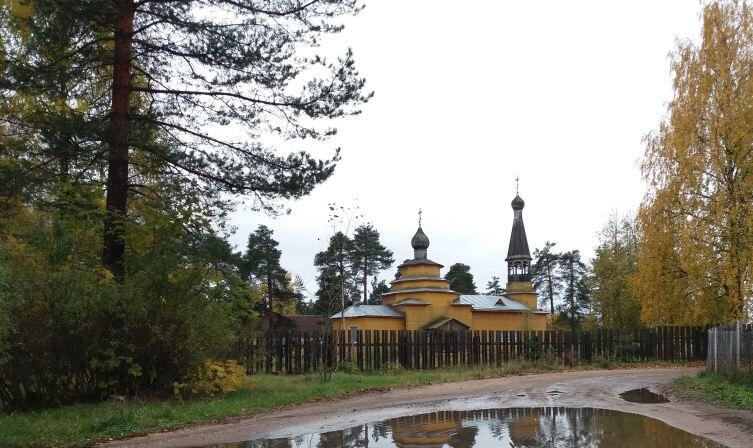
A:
697,218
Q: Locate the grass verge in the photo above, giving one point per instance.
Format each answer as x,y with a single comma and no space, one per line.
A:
86,424
732,391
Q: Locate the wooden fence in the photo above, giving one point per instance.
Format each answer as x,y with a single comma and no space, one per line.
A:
291,353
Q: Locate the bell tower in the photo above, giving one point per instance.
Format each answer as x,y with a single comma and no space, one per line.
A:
519,286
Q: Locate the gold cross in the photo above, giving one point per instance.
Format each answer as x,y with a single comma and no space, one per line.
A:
517,184
419,217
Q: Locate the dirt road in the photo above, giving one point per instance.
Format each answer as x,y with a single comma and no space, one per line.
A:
595,389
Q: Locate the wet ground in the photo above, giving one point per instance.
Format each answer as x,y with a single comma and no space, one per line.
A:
516,427
585,389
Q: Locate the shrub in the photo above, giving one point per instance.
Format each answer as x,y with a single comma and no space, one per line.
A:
213,377
394,368
550,358
348,367
627,349
69,332
601,362
532,348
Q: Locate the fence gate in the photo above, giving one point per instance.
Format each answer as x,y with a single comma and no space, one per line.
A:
730,348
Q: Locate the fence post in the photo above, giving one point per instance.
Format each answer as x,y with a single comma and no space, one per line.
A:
716,364
737,346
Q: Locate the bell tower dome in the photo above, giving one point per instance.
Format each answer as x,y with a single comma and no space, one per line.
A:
519,286
518,255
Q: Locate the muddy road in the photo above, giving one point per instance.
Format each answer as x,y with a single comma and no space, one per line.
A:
594,389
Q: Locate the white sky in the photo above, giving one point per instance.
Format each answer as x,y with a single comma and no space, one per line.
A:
469,95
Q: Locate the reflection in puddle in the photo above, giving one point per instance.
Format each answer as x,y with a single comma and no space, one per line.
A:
643,396
518,427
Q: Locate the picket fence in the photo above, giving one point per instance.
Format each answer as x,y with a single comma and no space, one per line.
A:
730,348
295,353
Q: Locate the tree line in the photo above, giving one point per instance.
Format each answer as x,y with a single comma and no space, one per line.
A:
580,293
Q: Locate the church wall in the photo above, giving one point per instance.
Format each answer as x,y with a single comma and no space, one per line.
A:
417,317
438,283
371,323
530,300
435,298
523,292
490,320
417,270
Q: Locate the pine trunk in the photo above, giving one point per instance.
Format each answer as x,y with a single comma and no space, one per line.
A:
572,295
550,287
365,282
116,202
269,293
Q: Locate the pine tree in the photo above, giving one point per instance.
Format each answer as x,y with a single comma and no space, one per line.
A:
262,261
494,288
51,112
461,279
335,280
545,277
368,255
576,295
377,289
289,298
174,72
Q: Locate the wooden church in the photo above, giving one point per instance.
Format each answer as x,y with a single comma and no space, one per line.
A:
422,300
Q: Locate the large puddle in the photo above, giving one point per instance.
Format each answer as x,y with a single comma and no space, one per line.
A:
517,427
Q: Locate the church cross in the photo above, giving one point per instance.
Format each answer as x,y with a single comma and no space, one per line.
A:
517,184
420,212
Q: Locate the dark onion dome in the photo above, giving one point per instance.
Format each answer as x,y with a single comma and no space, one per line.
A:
420,243
518,248
518,203
420,240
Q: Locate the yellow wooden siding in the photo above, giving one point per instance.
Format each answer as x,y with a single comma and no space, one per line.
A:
523,292
434,298
371,323
418,317
434,283
491,320
416,270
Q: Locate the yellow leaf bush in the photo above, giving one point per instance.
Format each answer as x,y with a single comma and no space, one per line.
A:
212,378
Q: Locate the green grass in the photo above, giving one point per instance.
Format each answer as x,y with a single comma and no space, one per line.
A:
733,391
85,424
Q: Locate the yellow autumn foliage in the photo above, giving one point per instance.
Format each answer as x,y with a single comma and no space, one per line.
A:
696,222
212,378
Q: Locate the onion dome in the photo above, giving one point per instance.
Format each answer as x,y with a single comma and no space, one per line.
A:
420,243
518,255
518,203
420,240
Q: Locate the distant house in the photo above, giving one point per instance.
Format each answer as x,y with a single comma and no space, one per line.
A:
294,322
422,300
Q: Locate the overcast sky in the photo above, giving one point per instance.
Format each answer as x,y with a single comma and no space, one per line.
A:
470,94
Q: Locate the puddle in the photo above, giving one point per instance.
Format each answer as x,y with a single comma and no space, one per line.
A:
551,427
643,395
